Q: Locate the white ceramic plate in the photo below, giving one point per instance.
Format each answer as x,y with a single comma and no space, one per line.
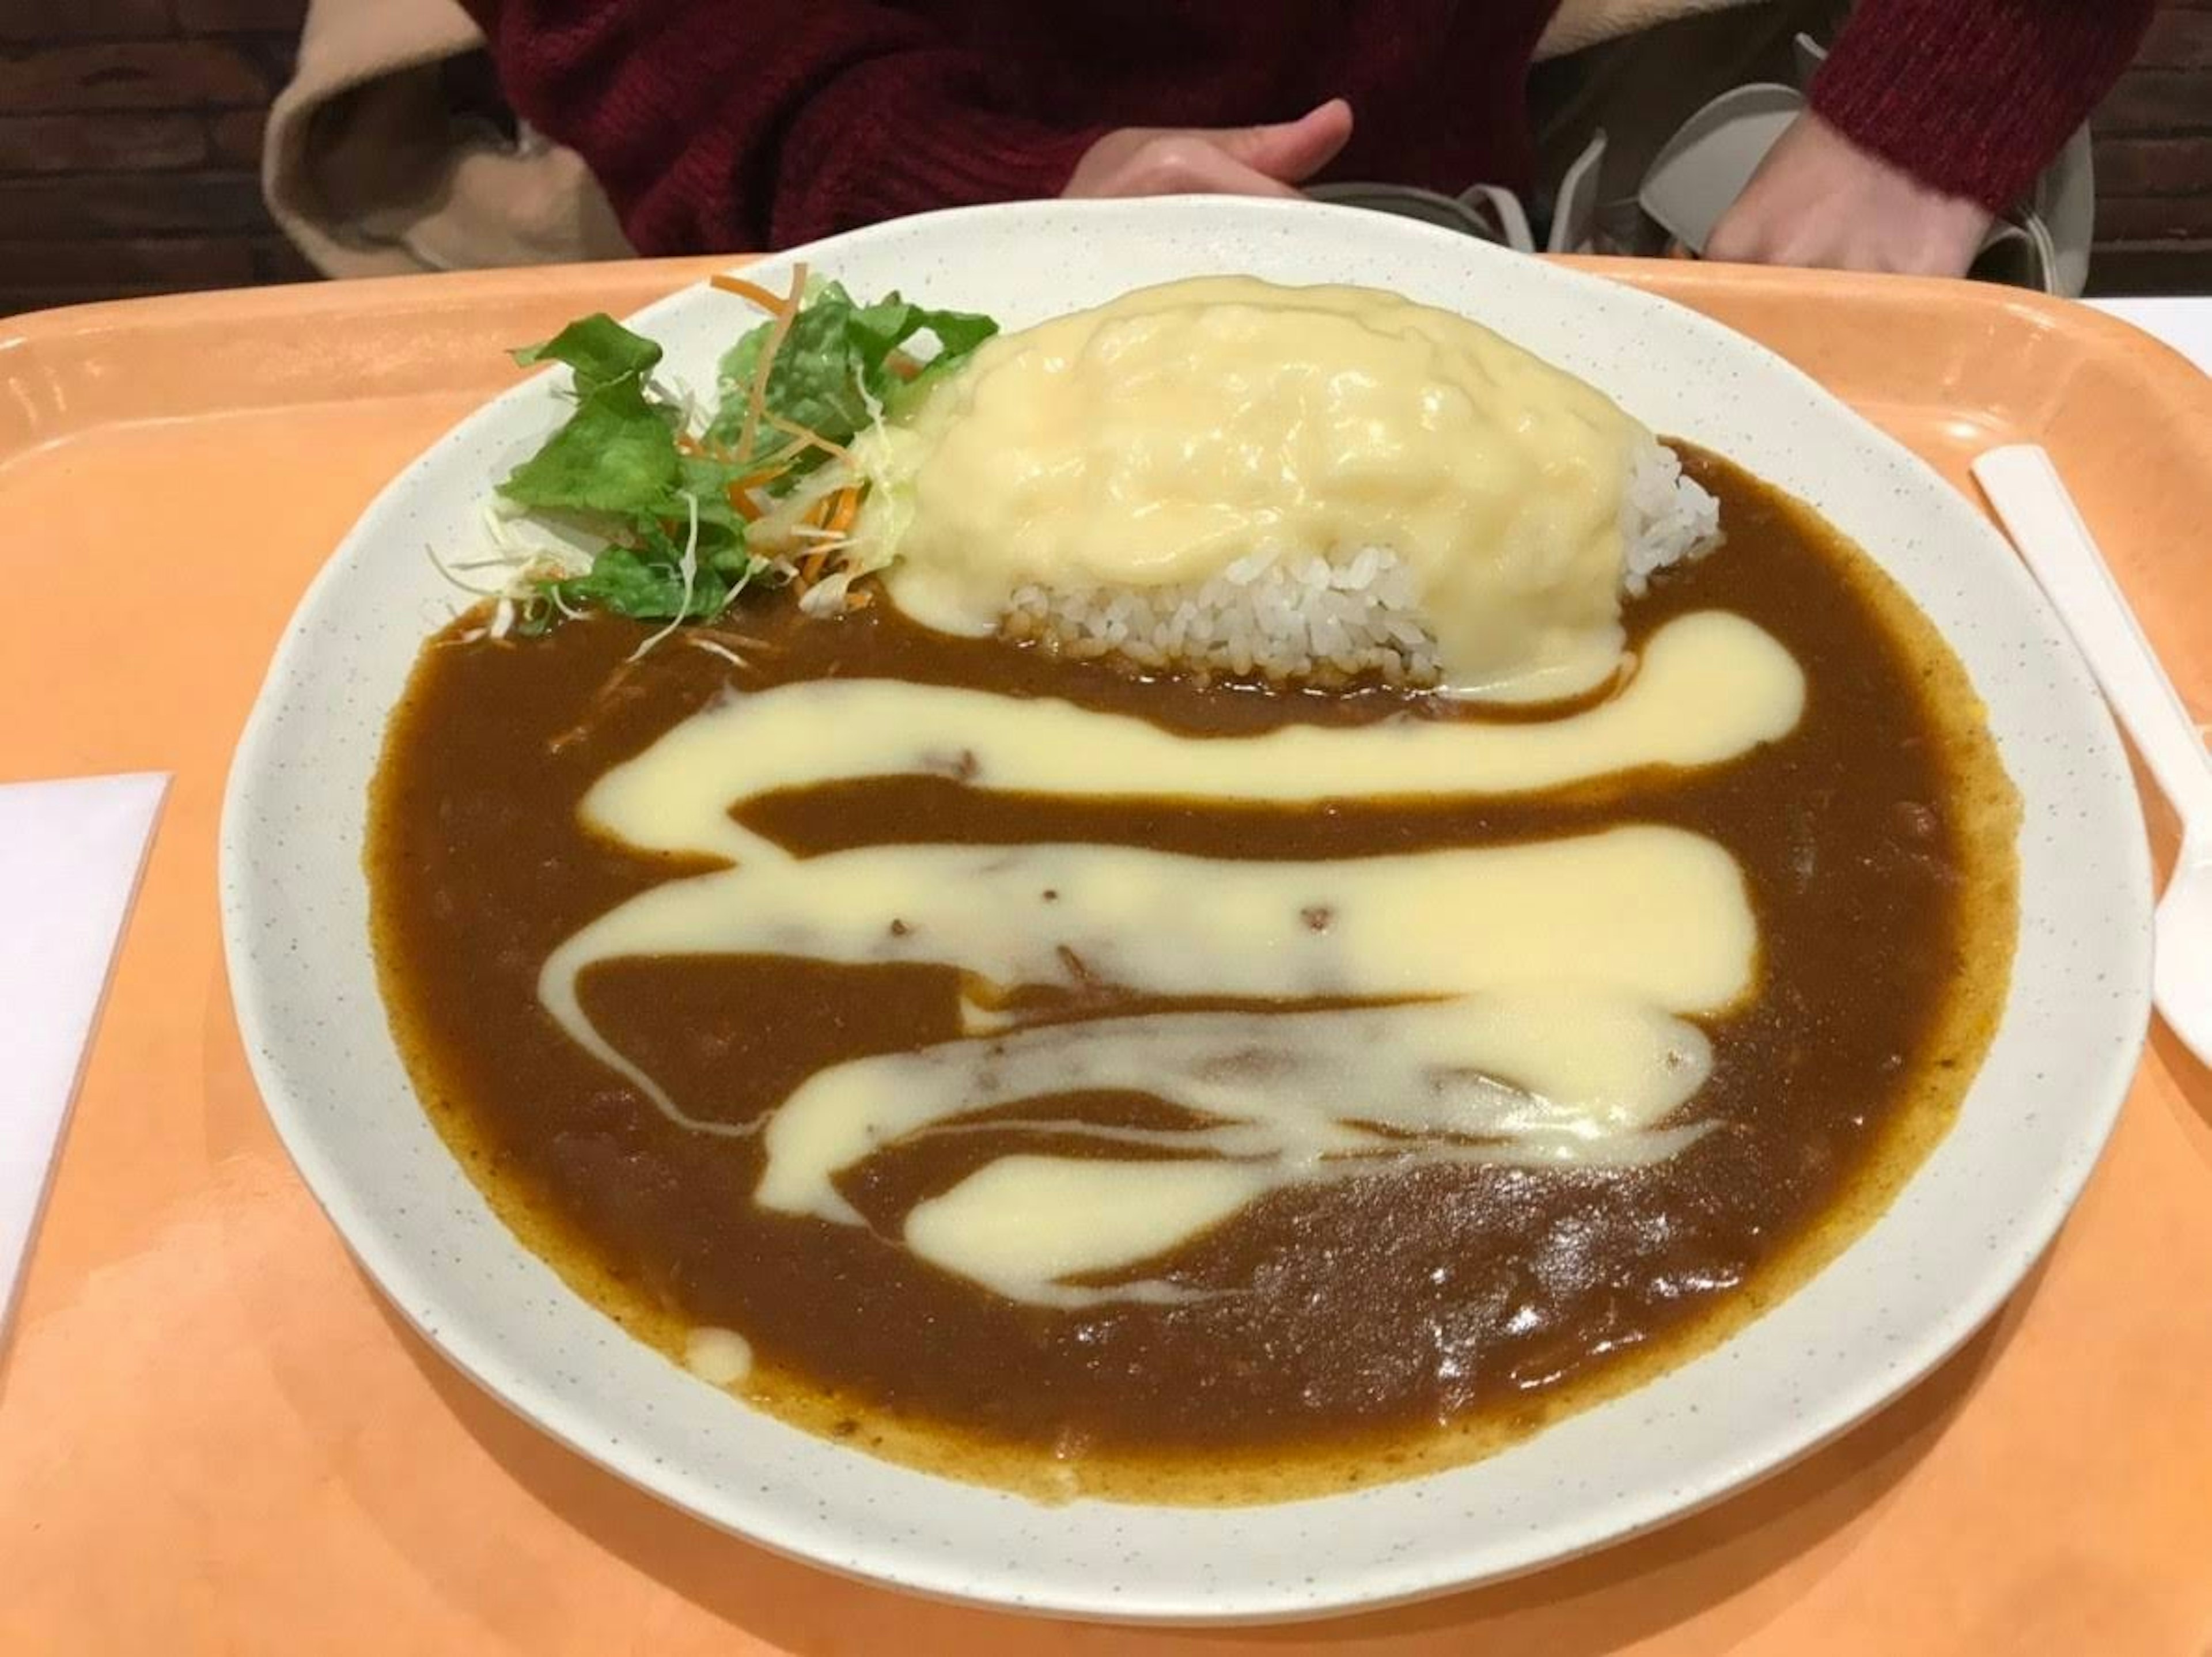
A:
1956,1241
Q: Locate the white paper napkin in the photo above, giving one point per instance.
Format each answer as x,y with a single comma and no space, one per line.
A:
71,854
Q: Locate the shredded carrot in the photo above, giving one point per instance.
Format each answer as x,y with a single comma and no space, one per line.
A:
744,289
813,439
841,517
741,489
857,600
812,564
687,444
757,395
765,474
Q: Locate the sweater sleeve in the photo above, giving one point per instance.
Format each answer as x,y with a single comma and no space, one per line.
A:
1975,97
721,127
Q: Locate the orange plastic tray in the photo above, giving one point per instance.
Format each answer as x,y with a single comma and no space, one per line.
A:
215,1437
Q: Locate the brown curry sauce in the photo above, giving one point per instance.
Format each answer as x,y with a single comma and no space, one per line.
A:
1386,1326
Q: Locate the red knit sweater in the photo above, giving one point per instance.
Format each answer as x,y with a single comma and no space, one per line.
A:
720,124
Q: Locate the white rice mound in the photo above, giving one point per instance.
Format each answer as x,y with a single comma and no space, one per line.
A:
1325,621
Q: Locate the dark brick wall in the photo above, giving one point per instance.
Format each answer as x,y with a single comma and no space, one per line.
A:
131,134
130,145
2154,161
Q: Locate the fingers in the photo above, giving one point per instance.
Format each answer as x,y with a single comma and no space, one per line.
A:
1194,165
1290,151
1175,164
1255,161
1819,199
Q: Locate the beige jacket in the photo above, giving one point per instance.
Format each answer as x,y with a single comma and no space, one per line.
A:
368,170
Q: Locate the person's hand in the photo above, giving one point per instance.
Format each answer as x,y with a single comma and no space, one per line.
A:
1819,199
1245,161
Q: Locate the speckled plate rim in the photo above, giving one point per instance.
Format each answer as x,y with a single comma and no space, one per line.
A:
1939,1262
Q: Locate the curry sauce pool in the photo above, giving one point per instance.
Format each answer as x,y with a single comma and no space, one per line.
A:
1321,1331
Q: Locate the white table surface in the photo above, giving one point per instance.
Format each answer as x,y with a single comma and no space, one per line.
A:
2185,323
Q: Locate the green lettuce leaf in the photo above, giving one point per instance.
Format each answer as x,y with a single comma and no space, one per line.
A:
707,481
646,582
601,350
628,582
837,355
614,467
616,453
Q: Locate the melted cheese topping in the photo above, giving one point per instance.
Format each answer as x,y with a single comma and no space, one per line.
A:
722,1357
1657,913
1155,439
1710,687
1568,1076
1533,996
